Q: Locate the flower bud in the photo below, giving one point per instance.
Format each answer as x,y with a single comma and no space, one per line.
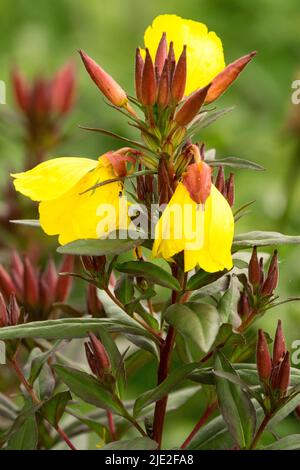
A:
172,60
31,290
139,66
254,269
191,106
21,91
279,348
148,82
6,283
283,379
13,310
244,308
63,89
179,78
164,86
220,180
40,99
101,362
64,283
263,359
161,54
230,189
261,268
224,79
197,181
106,84
4,320
16,271
47,285
271,281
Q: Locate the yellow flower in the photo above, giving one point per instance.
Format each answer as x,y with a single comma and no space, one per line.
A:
65,208
203,232
205,57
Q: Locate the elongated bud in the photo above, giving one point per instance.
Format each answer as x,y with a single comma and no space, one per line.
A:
224,79
63,89
230,189
40,99
279,348
101,357
254,269
283,379
179,78
106,84
64,283
93,303
31,289
271,281
263,359
139,67
47,285
161,54
191,107
148,82
220,179
163,96
13,310
262,273
4,320
6,283
16,271
21,90
172,60
197,181
244,308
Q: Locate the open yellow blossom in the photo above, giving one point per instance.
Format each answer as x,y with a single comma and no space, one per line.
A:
65,208
205,58
203,232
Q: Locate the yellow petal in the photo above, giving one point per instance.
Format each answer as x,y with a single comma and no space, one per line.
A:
51,179
205,58
75,215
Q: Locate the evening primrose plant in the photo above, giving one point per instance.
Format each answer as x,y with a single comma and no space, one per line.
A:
155,223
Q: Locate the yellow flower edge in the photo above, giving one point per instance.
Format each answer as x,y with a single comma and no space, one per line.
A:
65,208
207,232
205,58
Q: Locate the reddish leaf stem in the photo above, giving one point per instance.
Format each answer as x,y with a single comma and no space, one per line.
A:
207,413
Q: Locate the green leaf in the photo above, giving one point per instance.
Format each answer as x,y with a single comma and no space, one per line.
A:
256,238
175,378
139,443
238,163
235,405
235,379
122,241
54,408
69,328
287,408
225,304
91,424
87,388
28,222
149,271
124,289
207,118
291,442
196,321
38,362
26,436
202,278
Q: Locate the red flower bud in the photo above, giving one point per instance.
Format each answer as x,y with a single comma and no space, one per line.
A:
40,98
244,308
172,60
191,106
271,281
139,66
163,96
283,379
101,361
261,268
148,82
220,180
31,289
47,285
230,189
6,283
179,78
64,283
21,90
4,320
14,310
197,181
16,271
263,359
94,305
279,348
161,54
106,84
254,269
63,89
224,79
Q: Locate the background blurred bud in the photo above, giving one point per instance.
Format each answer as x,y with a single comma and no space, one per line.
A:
6,284
63,89
64,283
4,321
21,90
263,359
31,288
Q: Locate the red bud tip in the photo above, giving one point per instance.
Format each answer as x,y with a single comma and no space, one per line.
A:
244,308
14,310
148,82
31,289
279,348
100,354
224,79
263,359
139,66
220,180
161,54
283,380
254,269
40,103
64,283
163,96
4,320
106,84
197,181
63,89
172,60
21,91
6,283
48,282
261,268
230,190
179,78
191,106
271,281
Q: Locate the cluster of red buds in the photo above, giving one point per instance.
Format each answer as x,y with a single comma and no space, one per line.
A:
10,313
274,373
43,104
34,290
225,186
259,287
98,359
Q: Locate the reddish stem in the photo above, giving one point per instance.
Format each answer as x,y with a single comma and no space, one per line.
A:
111,426
209,410
65,438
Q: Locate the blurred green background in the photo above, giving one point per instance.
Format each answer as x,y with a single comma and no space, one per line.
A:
41,36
